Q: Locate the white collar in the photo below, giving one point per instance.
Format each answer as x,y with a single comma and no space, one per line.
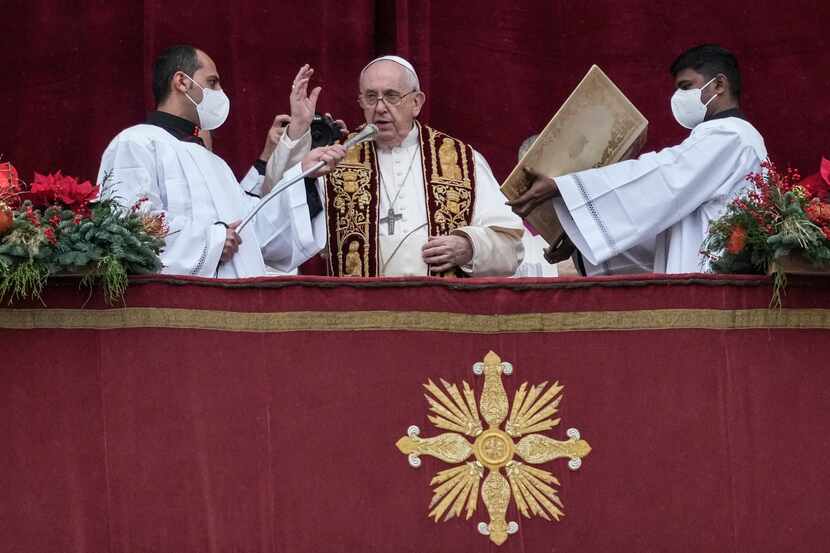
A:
410,140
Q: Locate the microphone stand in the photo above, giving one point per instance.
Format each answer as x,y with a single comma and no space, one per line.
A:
368,132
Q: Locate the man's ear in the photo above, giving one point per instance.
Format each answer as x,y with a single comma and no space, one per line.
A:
418,102
721,84
180,82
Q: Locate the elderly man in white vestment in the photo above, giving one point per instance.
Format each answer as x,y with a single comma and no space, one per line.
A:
165,164
416,201
652,214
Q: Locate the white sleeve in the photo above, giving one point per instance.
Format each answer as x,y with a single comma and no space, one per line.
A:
287,154
609,210
191,248
289,236
252,182
495,231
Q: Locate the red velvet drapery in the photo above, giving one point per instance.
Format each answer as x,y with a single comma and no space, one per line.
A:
72,74
262,416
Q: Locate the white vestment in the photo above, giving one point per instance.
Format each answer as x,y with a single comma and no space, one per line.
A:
534,263
287,154
652,214
196,190
252,182
495,231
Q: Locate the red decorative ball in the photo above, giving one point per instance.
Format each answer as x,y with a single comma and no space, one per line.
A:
9,182
6,218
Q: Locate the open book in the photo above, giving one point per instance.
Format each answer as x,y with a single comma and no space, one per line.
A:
597,125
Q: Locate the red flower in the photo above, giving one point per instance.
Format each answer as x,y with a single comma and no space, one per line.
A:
737,240
818,212
49,233
818,185
55,220
56,188
33,216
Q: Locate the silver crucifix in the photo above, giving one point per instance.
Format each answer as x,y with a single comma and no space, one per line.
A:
390,219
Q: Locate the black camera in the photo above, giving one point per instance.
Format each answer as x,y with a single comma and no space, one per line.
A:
324,131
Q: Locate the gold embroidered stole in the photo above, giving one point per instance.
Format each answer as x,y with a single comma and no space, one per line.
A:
353,192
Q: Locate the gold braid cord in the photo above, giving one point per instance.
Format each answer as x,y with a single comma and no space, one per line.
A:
494,450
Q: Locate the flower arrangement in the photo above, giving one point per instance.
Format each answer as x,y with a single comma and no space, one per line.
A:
59,225
778,217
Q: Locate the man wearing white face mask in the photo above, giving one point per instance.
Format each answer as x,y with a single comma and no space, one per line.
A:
165,163
652,214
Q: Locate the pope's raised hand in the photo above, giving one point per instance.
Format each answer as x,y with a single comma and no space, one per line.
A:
303,103
542,189
330,155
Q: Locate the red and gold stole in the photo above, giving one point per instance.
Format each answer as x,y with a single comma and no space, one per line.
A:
353,193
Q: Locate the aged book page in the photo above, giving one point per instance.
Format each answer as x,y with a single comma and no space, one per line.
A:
596,126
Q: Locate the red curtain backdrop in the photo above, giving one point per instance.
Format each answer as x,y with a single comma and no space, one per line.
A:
265,420
75,73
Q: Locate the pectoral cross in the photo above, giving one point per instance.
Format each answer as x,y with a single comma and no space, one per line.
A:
390,219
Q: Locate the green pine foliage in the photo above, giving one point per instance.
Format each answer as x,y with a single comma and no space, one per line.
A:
105,246
769,221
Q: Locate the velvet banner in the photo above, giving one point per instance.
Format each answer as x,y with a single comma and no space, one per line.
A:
76,73
262,415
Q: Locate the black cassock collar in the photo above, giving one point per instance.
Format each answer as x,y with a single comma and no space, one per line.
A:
734,112
179,127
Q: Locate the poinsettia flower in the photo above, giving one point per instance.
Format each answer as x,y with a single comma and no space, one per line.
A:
47,190
818,185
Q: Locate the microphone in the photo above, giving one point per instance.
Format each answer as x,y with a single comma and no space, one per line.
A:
365,134
368,132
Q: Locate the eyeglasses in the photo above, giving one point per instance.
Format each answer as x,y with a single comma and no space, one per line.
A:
390,98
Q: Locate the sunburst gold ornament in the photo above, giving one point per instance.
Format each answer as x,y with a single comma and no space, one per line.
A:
495,450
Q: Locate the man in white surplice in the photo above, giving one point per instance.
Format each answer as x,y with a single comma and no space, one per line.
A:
164,164
652,214
488,244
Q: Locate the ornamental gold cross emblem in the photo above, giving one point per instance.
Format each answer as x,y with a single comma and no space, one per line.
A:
506,454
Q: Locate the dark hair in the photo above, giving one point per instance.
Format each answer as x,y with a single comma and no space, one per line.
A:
176,58
709,60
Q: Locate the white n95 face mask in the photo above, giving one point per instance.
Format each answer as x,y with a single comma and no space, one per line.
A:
688,107
213,109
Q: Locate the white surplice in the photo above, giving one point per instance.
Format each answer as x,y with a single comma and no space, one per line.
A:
289,153
196,189
252,182
495,231
652,214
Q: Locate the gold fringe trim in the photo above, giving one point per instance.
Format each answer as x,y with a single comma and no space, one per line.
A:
419,321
